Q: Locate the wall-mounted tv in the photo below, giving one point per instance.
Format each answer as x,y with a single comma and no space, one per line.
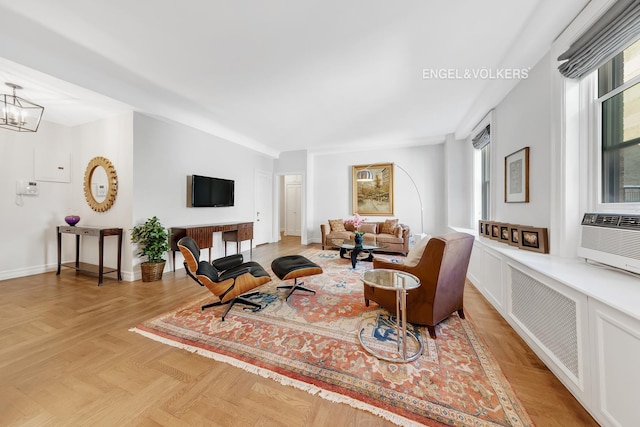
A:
204,191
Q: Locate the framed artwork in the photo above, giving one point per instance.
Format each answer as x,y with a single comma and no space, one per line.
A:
481,228
375,196
516,177
514,235
534,239
505,234
495,231
487,229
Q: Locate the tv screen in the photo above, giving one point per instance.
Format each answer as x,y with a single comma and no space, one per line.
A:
205,191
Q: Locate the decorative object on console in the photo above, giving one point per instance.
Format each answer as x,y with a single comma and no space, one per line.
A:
72,219
516,177
18,114
153,240
100,184
373,189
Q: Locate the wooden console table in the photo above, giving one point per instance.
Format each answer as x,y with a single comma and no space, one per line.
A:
99,232
203,235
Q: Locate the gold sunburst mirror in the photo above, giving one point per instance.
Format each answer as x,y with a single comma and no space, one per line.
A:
100,184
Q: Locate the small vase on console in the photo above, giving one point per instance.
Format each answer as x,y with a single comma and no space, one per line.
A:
72,220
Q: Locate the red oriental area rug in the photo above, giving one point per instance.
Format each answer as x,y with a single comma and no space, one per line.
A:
311,342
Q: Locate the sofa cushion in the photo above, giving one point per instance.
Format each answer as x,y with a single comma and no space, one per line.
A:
388,238
368,228
414,255
339,235
348,225
336,225
388,226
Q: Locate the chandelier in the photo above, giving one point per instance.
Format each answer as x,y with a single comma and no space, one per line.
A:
18,114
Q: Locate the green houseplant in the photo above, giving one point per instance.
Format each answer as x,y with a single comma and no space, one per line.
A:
153,241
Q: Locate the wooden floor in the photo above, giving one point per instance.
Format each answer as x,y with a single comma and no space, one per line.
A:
67,358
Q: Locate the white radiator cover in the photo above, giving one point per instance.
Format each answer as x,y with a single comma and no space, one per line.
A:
612,239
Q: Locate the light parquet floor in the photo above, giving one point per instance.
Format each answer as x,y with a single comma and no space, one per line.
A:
67,358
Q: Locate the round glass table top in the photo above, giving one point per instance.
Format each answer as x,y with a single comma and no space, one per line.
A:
390,279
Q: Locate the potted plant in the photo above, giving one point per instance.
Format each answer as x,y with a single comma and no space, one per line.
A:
153,241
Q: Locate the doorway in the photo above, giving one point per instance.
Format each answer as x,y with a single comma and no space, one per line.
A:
292,205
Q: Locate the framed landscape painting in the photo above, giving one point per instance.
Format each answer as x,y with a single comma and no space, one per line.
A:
373,196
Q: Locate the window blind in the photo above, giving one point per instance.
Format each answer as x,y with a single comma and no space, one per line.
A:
482,139
618,27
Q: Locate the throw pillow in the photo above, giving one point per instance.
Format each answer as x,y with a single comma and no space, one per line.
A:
368,228
348,225
388,226
414,255
336,225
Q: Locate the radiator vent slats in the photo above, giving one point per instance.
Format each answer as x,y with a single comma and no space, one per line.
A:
549,316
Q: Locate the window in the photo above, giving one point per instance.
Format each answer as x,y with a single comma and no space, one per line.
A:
482,144
485,181
619,98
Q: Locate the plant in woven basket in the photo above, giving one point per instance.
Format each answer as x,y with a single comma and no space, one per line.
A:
153,241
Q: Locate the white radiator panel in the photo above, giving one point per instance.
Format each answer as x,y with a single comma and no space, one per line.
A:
549,317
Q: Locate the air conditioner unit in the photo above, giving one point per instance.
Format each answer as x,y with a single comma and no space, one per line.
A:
612,239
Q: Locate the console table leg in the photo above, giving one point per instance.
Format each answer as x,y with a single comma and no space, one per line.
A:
59,251
100,258
120,256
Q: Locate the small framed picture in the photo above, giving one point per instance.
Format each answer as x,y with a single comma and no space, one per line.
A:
534,239
504,233
487,229
514,235
481,228
495,231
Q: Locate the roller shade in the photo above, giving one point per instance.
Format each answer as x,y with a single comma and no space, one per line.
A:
482,139
616,29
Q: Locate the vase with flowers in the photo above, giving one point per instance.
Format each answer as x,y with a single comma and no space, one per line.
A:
357,220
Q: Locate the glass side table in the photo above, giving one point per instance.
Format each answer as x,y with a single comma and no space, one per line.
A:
371,339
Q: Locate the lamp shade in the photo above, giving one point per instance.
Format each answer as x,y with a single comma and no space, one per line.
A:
364,175
18,114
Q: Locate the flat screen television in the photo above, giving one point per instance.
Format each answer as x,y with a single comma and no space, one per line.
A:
204,191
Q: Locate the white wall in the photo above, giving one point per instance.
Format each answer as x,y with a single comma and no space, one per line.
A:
332,186
458,182
521,120
111,138
166,153
28,231
31,228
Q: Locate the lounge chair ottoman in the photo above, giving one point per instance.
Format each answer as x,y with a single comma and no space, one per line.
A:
293,267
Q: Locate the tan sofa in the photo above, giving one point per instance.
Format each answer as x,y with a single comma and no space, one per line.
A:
375,232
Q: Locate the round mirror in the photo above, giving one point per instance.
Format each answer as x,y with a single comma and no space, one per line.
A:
100,184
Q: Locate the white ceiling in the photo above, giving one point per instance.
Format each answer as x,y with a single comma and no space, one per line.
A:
277,75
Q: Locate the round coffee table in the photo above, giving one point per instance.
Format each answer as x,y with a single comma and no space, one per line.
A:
401,282
363,252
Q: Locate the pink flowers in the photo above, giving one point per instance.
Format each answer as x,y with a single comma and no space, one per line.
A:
357,220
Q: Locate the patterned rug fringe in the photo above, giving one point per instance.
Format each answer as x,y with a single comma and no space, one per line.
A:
265,373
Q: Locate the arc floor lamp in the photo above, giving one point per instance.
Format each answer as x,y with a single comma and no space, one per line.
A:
366,175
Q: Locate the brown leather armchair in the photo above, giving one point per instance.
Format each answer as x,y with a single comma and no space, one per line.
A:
442,271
